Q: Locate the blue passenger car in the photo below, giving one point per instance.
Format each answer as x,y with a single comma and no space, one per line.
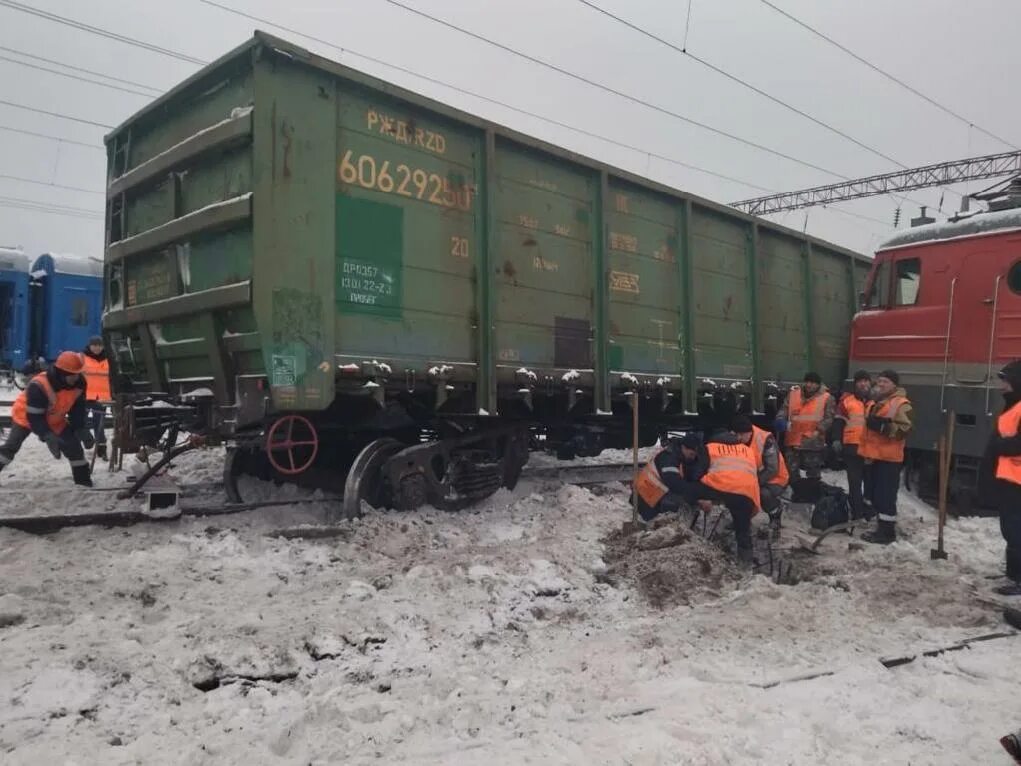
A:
14,308
67,303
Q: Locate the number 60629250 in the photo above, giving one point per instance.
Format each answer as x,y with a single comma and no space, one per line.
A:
366,171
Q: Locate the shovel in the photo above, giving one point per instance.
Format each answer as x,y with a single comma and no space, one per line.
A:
946,442
634,525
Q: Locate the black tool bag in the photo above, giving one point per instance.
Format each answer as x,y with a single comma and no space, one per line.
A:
833,507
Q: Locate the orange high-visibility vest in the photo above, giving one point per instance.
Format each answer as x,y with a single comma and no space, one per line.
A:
876,446
804,415
759,436
97,378
1008,467
61,403
853,413
732,468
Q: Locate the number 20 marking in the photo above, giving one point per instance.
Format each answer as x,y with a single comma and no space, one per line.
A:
459,247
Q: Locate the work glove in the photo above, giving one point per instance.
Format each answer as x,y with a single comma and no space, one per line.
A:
838,447
87,439
52,441
876,423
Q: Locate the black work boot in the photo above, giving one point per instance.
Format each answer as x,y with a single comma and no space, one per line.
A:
101,451
1010,589
745,558
82,475
884,533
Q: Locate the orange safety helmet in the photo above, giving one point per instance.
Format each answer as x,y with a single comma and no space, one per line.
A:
69,362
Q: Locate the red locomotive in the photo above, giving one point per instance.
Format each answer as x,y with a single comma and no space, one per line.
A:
942,305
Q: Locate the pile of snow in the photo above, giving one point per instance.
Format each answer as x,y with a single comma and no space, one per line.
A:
509,633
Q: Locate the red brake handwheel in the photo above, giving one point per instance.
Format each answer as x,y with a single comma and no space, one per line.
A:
288,447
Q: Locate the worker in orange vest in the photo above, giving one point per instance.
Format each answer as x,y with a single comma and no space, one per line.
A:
806,417
664,480
772,468
848,431
731,481
1005,448
97,392
52,406
888,421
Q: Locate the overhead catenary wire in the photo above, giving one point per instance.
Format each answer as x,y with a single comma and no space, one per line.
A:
747,85
480,96
893,78
59,115
612,90
82,70
45,207
59,139
101,32
78,77
24,180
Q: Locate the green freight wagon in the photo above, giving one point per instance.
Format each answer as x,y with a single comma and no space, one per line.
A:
334,275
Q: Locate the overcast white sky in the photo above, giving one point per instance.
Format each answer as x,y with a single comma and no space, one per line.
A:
960,53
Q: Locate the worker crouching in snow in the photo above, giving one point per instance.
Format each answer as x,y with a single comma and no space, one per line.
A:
52,406
664,482
729,477
772,468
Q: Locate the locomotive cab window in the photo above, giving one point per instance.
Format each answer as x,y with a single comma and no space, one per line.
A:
909,278
1014,278
877,293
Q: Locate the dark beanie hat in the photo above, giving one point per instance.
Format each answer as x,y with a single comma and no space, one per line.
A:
892,375
741,425
96,340
1011,373
862,375
813,377
691,441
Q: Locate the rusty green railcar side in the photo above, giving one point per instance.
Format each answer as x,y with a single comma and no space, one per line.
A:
283,229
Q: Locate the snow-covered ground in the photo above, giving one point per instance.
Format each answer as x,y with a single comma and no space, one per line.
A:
507,634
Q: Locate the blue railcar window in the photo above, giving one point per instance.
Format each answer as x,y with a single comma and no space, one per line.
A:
80,312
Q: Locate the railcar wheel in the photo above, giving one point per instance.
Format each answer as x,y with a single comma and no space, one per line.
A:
300,450
365,480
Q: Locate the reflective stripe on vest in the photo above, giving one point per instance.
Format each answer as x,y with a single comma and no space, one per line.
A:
854,416
56,414
1008,467
97,378
650,485
732,468
804,415
876,446
783,477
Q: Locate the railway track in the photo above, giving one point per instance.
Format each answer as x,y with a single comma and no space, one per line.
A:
582,475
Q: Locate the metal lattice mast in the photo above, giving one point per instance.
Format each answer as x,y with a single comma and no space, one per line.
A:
940,174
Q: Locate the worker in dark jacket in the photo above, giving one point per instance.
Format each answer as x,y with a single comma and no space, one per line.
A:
848,432
664,480
1005,449
52,407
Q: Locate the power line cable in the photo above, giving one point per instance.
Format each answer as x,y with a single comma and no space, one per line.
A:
21,179
101,32
36,134
614,91
27,204
482,97
76,68
887,75
745,84
71,76
82,120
